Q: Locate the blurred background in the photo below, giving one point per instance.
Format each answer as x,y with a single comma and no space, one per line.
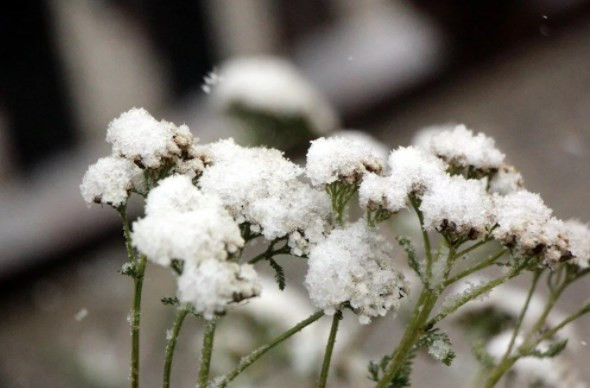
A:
518,70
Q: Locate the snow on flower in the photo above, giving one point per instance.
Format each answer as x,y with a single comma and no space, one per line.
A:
578,235
506,180
109,181
183,223
212,286
340,159
355,265
458,206
461,148
262,187
139,137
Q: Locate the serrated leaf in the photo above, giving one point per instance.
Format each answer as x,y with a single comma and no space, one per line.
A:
279,273
170,301
439,346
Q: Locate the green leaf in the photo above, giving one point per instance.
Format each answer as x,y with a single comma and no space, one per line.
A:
553,350
408,247
401,379
279,273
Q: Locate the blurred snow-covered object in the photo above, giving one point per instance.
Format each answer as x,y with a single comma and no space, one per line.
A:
378,49
272,100
536,372
500,309
271,314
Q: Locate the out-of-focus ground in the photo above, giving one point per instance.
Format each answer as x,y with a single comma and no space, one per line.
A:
65,325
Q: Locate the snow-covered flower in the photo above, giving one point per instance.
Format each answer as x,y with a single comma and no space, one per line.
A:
377,191
340,159
139,137
458,206
109,181
413,170
262,187
459,147
378,148
521,217
212,286
355,264
506,180
578,235
183,223
272,86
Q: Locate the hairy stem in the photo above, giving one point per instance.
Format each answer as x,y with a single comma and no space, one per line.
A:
329,349
413,332
248,360
171,345
425,237
206,352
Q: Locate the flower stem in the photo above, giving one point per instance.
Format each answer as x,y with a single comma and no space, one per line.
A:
523,311
248,360
136,319
477,267
329,349
425,237
206,352
171,345
413,331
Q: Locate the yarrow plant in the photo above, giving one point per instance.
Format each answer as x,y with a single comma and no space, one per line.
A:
207,204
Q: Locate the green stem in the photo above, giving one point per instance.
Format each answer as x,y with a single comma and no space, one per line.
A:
523,311
475,293
550,333
425,237
329,349
136,319
206,352
248,360
473,247
171,345
477,267
127,233
413,332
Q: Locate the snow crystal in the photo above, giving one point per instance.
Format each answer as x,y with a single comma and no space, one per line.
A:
339,158
109,181
212,285
355,265
461,148
273,86
440,349
457,205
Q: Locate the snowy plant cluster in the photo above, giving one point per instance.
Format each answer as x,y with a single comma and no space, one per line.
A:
209,206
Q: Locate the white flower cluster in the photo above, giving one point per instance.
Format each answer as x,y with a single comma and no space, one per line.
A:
213,285
340,159
355,265
272,86
183,223
460,148
109,181
139,142
261,187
